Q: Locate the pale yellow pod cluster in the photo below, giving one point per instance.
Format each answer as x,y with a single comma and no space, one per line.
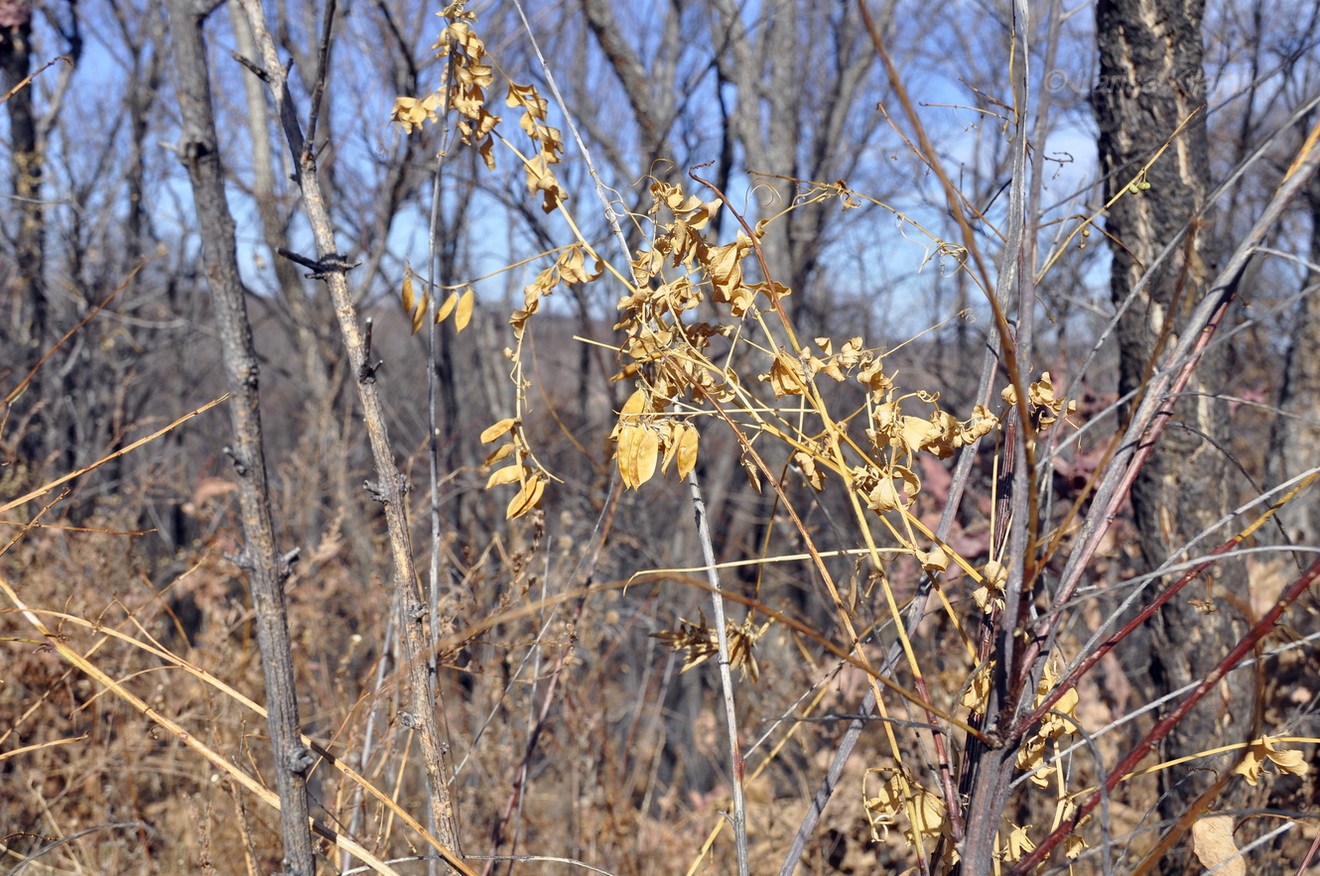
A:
460,304
531,482
641,437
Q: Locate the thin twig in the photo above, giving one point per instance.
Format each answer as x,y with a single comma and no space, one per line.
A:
369,732
322,72
726,677
433,391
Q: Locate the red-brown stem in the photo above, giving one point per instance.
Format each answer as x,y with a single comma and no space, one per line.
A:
952,803
1167,723
1070,680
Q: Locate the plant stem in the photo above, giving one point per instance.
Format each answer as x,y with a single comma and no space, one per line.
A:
726,677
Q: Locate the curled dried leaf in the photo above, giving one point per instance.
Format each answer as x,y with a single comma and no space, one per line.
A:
976,696
672,432
785,376
874,377
989,596
410,112
1262,751
933,560
812,472
541,179
900,798
896,488
1018,845
753,475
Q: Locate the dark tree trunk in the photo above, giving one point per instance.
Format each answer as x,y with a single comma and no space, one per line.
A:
42,437
1151,81
25,174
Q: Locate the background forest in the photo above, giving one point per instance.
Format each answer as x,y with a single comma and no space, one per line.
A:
673,436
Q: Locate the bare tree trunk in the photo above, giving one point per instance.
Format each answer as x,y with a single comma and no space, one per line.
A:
426,716
266,569
1151,81
324,380
25,182
25,174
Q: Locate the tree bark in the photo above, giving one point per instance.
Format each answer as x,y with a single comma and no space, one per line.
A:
266,569
1151,81
28,162
41,437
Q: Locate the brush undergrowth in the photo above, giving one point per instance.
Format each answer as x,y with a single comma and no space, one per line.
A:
132,741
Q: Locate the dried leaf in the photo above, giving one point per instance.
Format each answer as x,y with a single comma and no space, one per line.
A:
572,266
412,113
495,431
673,431
1054,723
1262,750
873,375
645,455
419,313
785,376
626,452
486,150
989,596
541,179
498,454
723,266
408,298
527,497
687,450
526,96
977,694
1031,759
1019,844
507,475
635,404
753,474
1212,841
463,313
934,560
897,488
899,798
1290,761
446,308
